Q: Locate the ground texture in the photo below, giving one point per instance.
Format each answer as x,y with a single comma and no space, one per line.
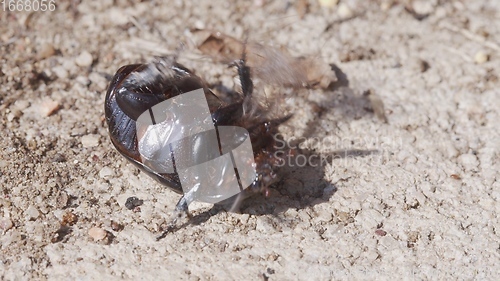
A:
414,196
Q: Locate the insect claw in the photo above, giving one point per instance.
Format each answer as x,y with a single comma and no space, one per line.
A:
182,205
164,233
180,214
177,220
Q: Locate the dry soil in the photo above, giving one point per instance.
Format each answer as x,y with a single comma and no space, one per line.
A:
414,196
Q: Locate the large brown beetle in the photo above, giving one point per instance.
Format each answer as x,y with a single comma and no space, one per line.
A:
136,88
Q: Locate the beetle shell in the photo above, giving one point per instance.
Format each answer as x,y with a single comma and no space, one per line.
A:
136,88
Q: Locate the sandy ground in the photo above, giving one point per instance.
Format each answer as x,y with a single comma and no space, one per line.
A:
415,197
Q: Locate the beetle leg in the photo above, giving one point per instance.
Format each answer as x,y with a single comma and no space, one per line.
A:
181,212
245,78
244,73
235,206
182,205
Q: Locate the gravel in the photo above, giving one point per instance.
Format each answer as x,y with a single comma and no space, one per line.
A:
407,186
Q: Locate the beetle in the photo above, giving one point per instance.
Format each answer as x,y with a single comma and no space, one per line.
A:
137,87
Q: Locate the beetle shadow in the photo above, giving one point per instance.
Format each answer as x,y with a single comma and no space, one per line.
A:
341,99
303,183
300,187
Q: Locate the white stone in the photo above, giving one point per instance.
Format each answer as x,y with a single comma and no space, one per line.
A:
106,173
97,233
423,7
6,224
60,72
468,161
31,213
344,11
48,107
481,57
328,3
90,141
84,59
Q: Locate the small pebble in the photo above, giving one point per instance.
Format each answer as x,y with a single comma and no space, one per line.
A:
344,217
10,238
10,116
21,105
380,232
97,233
418,64
323,215
386,5
60,72
62,199
377,106
59,235
46,50
6,224
468,161
15,113
84,59
106,173
32,144
259,3
116,226
133,202
69,218
83,80
48,107
98,80
90,141
31,213
302,7
263,225
328,3
116,17
344,11
58,158
423,7
481,57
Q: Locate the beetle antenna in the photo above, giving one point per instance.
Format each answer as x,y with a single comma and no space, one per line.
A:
244,72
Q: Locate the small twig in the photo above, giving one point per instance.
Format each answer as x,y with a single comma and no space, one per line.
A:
457,52
134,21
472,36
